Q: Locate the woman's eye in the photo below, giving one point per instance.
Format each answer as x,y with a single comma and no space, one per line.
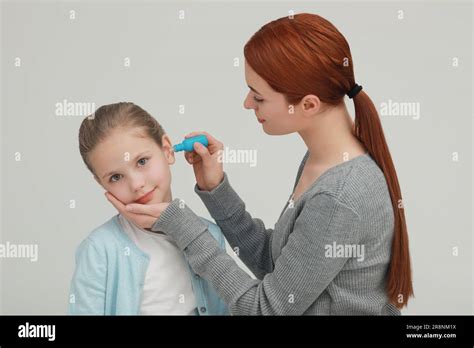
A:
115,178
257,100
142,161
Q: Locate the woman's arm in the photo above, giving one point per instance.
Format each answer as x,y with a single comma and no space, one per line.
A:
87,294
301,273
248,236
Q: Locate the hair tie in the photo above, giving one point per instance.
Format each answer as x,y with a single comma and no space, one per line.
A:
354,91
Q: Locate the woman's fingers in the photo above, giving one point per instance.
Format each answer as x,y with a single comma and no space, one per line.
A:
202,151
119,206
115,202
214,144
153,210
209,172
189,157
141,215
192,157
193,134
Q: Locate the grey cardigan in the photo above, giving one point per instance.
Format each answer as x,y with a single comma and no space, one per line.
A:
328,253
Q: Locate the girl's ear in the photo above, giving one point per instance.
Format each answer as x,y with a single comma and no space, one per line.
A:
167,148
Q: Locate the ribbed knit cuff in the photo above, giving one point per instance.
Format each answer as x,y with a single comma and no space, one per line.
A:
222,202
180,223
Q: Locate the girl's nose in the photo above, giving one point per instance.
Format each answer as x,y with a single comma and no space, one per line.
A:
138,182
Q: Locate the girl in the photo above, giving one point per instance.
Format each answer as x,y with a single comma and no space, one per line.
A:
120,267
340,245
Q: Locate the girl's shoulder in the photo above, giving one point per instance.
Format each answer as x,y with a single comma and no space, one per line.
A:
106,234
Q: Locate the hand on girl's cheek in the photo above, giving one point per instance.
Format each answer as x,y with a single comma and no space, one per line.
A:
141,215
117,203
107,193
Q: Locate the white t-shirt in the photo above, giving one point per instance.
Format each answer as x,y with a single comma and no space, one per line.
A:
167,288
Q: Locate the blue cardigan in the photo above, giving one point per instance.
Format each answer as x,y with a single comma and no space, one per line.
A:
110,273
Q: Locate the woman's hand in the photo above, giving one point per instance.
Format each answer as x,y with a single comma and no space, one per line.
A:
142,215
207,162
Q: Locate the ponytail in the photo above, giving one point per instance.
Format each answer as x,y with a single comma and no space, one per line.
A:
308,55
368,130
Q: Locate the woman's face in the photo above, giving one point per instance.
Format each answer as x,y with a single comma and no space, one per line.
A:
131,166
271,109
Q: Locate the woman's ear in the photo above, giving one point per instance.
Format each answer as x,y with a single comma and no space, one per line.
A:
310,105
167,148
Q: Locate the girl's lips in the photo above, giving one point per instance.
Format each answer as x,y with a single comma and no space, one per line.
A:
146,198
260,120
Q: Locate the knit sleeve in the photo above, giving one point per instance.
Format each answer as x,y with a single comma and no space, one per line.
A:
248,236
302,272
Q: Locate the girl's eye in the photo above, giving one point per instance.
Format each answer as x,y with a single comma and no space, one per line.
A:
115,177
257,100
142,161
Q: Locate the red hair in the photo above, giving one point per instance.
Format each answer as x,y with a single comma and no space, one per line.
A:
305,55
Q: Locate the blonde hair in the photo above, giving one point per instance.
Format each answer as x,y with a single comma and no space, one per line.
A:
96,127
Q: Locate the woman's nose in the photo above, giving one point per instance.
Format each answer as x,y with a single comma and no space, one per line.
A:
248,102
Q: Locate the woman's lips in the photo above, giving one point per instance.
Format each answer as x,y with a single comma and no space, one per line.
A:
146,198
261,120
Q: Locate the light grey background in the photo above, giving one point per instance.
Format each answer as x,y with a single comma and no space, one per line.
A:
190,62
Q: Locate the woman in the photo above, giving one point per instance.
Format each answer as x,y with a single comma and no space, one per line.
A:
340,246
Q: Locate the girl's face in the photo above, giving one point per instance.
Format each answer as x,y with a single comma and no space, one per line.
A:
271,108
132,167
